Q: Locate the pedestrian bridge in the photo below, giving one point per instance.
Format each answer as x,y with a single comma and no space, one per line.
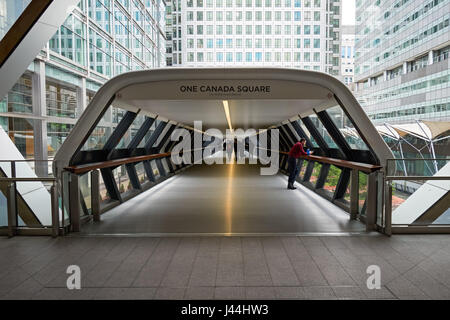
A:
123,178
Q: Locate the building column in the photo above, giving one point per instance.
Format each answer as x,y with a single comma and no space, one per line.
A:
385,75
430,57
405,67
81,97
40,123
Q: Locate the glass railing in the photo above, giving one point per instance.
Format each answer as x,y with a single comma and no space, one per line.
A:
10,11
29,201
417,194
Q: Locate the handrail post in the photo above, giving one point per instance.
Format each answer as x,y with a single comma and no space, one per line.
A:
12,208
95,194
371,211
388,207
354,193
74,202
55,209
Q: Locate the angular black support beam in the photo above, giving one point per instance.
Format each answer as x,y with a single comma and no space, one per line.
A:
110,184
132,174
325,168
151,141
169,164
166,137
342,185
335,134
120,130
149,171
308,171
76,155
316,134
140,134
284,161
159,165
373,157
302,133
285,138
290,133
283,144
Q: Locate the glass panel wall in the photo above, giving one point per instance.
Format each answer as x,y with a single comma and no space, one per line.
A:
323,131
315,173
309,136
363,184
131,132
19,98
61,100
346,128
332,179
56,134
10,11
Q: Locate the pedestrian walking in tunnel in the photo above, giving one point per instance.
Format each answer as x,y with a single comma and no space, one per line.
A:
295,153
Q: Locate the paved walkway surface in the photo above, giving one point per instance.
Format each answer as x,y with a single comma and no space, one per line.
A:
225,199
278,267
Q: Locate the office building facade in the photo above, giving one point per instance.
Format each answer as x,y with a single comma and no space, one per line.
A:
284,33
402,65
98,40
348,54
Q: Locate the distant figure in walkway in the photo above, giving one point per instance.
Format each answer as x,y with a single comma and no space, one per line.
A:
293,161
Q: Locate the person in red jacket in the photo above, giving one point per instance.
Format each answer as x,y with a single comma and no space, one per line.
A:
293,168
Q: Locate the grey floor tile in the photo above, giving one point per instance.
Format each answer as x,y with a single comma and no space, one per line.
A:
199,293
403,287
229,293
125,294
260,293
286,293
349,292
170,293
319,293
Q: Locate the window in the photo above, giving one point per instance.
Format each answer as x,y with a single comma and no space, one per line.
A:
297,3
219,43
316,15
306,43
287,29
219,56
248,57
238,56
316,30
229,57
316,56
297,15
316,43
209,43
307,57
307,29
258,56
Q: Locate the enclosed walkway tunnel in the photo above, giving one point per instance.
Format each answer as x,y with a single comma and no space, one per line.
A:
101,167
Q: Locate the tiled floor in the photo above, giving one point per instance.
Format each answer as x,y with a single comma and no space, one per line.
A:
308,267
